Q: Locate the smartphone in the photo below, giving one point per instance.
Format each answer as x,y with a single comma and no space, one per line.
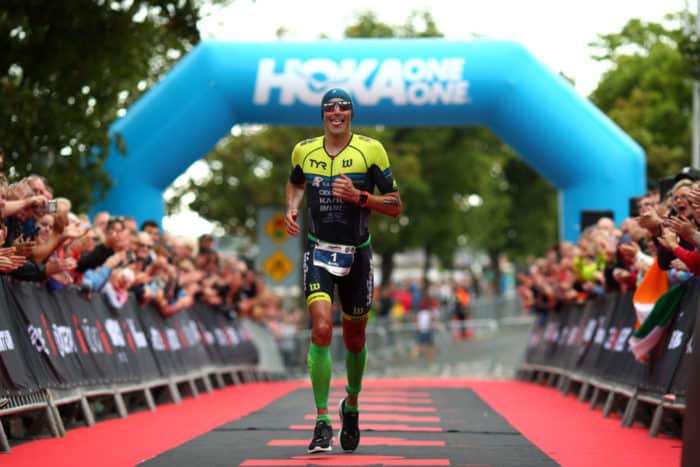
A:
51,206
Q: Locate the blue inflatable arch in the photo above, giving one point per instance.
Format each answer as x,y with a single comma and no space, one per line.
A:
395,82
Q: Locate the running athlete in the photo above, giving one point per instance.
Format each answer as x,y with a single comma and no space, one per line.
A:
338,171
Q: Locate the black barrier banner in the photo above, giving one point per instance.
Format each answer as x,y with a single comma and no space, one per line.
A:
51,336
94,338
126,355
84,342
16,353
549,330
669,370
142,360
191,340
571,316
245,351
61,339
616,361
552,331
67,339
582,337
191,350
555,339
534,340
594,339
679,384
544,338
691,420
226,340
216,340
604,312
163,341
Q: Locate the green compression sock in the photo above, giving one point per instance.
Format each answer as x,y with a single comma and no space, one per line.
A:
355,365
319,363
326,418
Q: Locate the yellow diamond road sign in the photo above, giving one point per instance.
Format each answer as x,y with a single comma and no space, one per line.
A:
276,229
278,266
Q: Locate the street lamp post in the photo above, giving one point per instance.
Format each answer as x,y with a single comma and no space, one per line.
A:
696,97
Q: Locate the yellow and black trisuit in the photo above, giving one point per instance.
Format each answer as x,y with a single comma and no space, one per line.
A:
335,221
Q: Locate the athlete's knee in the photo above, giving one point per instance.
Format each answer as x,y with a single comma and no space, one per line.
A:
322,333
354,340
355,345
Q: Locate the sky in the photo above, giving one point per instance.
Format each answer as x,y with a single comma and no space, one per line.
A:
557,32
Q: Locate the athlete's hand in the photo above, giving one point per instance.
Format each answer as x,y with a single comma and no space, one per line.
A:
290,222
345,190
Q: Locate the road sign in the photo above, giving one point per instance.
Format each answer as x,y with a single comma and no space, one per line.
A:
279,255
276,229
278,266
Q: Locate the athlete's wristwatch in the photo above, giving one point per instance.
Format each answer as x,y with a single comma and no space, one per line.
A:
364,197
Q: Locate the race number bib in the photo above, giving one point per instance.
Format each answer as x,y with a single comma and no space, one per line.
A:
334,258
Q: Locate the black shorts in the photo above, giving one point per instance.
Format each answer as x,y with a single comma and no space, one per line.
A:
425,337
354,290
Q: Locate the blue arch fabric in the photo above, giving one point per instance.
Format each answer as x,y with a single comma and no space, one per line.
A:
394,82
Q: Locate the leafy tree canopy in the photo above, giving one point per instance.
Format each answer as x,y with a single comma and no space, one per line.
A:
648,90
69,69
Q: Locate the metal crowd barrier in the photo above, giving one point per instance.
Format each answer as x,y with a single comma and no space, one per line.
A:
585,349
64,356
389,341
46,402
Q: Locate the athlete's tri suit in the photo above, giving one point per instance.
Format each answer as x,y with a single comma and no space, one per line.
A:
333,220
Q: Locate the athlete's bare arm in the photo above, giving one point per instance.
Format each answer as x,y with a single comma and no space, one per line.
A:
388,204
295,193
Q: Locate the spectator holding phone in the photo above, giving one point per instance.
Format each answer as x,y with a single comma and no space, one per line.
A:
678,207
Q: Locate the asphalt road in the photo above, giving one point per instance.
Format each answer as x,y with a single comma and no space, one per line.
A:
489,354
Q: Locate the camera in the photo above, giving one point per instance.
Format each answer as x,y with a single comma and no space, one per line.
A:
51,206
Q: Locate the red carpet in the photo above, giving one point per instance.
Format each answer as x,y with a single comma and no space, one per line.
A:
560,426
564,428
125,442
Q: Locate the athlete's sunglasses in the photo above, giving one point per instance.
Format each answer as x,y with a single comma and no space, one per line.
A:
342,105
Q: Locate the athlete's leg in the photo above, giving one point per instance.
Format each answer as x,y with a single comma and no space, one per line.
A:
319,356
319,363
318,289
354,337
355,292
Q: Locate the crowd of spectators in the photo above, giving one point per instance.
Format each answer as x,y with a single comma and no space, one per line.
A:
44,240
607,258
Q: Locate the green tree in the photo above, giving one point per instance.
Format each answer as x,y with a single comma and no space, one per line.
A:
245,172
648,90
69,69
508,208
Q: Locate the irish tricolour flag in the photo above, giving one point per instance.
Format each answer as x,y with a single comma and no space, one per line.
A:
652,328
654,284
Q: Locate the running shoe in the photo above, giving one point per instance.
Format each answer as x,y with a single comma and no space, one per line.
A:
350,431
323,438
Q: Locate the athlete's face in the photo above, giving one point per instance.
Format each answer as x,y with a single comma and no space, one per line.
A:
336,118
